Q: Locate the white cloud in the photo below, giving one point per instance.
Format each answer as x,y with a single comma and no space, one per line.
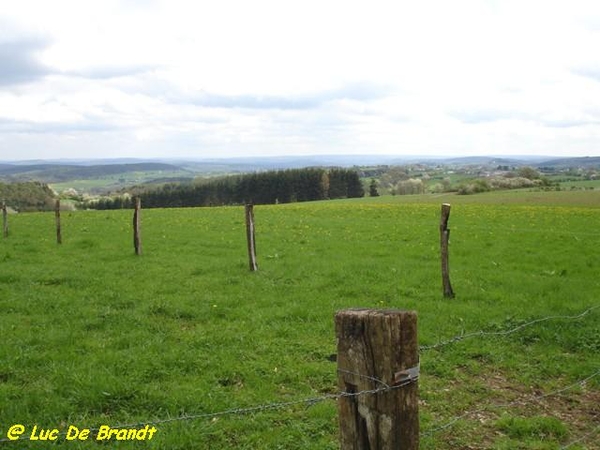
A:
173,77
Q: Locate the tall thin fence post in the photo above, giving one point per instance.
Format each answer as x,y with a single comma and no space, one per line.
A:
251,237
137,239
57,218
444,239
378,369
4,220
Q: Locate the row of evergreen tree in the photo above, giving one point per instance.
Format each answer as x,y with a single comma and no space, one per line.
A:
282,186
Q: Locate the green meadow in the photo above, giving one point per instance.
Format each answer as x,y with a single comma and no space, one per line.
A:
187,339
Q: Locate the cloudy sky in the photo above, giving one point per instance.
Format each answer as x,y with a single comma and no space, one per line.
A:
155,78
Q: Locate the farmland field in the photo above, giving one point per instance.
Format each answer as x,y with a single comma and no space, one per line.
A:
108,183
92,335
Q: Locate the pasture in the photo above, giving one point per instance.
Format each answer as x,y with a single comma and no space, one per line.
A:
92,335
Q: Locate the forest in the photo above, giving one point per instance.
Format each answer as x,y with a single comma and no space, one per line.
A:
271,187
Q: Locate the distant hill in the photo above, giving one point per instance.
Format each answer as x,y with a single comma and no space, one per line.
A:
252,164
53,173
586,162
478,161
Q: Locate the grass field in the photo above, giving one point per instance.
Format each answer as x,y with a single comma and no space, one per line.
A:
584,184
108,183
92,335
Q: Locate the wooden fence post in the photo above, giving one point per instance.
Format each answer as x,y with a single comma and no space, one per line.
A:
250,235
444,239
57,217
378,351
4,220
137,240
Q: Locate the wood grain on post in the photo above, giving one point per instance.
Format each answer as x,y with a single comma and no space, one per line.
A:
137,239
4,220
378,351
444,239
57,218
251,238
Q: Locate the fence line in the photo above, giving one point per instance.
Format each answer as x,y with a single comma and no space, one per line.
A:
382,387
258,408
504,332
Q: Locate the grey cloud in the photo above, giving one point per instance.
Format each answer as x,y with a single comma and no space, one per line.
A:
148,83
19,62
592,72
253,102
362,91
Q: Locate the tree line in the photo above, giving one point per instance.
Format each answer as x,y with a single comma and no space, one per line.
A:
282,186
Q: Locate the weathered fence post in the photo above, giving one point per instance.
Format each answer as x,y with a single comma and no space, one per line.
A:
378,369
444,239
137,240
4,220
250,235
57,217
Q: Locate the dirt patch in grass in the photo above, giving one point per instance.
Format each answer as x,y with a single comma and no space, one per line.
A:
577,408
479,426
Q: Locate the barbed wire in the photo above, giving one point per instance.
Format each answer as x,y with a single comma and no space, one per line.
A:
481,333
583,438
367,377
382,387
258,408
315,400
580,383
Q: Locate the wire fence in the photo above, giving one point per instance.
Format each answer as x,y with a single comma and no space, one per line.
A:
381,387
311,401
537,398
483,333
583,438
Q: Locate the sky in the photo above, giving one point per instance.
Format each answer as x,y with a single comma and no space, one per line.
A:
233,78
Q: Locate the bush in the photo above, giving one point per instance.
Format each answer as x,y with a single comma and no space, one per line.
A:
410,186
475,187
